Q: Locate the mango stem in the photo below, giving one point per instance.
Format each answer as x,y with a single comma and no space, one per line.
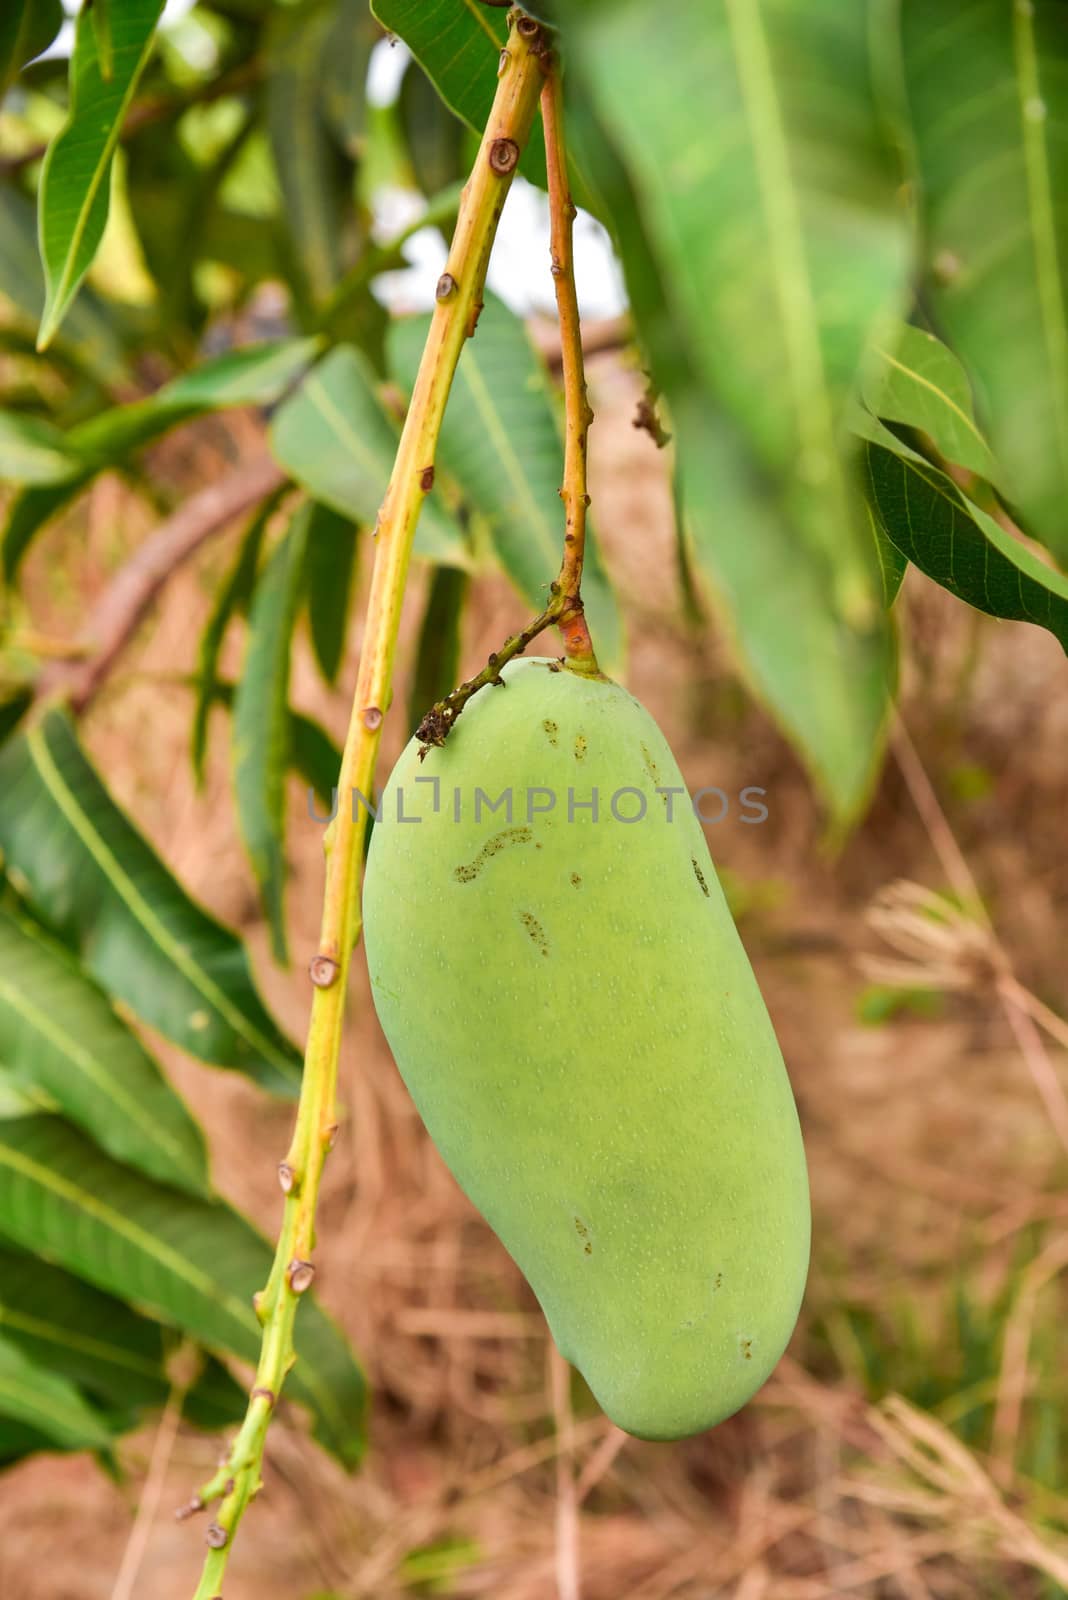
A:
459,300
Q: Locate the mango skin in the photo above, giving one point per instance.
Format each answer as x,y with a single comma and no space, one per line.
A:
578,1024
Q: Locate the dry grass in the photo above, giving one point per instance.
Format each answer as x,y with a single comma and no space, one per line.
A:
912,1443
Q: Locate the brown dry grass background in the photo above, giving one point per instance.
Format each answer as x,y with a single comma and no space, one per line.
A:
911,1443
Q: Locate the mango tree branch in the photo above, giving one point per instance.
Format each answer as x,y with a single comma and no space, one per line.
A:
459,299
565,607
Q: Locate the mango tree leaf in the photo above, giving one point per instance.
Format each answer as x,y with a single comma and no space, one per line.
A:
335,438
47,1403
76,175
500,441
194,1263
915,380
343,82
434,140
95,880
987,88
313,174
100,1344
315,755
458,43
329,566
261,722
26,28
438,656
94,334
59,1034
703,269
931,521
233,595
34,451
255,376
104,44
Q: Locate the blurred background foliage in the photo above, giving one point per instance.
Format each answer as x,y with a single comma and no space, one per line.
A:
842,235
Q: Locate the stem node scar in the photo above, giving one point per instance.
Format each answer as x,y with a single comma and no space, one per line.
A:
300,1276
323,971
426,479
287,1178
260,1393
503,155
446,287
371,716
216,1536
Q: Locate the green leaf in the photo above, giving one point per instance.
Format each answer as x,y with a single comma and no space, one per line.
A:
987,87
92,337
261,722
931,521
761,259
194,1263
59,1034
343,83
435,141
500,441
336,439
255,376
233,595
438,657
77,168
100,1344
315,755
458,44
312,172
330,563
94,879
34,451
48,1404
915,380
27,27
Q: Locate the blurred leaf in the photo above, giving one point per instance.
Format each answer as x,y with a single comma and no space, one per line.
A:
92,335
48,1403
438,657
260,726
993,185
59,1034
313,173
500,441
194,1263
94,879
433,137
458,44
329,566
916,381
26,28
34,451
254,376
343,83
336,439
75,179
932,522
233,595
100,1344
760,260
315,755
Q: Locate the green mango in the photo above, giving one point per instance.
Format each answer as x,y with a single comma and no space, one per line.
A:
574,1015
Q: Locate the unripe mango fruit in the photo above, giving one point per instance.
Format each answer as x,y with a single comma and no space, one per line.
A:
574,1015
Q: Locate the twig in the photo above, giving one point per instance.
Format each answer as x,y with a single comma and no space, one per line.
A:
565,608
459,296
151,1494
567,1517
114,619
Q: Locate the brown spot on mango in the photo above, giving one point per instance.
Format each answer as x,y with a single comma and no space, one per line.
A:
535,931
492,847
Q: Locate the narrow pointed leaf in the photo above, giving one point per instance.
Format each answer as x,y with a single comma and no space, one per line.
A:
329,568
26,28
60,1035
96,1341
915,380
75,181
255,376
335,438
261,722
232,596
34,451
933,524
194,1263
47,1403
987,88
500,441
94,879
